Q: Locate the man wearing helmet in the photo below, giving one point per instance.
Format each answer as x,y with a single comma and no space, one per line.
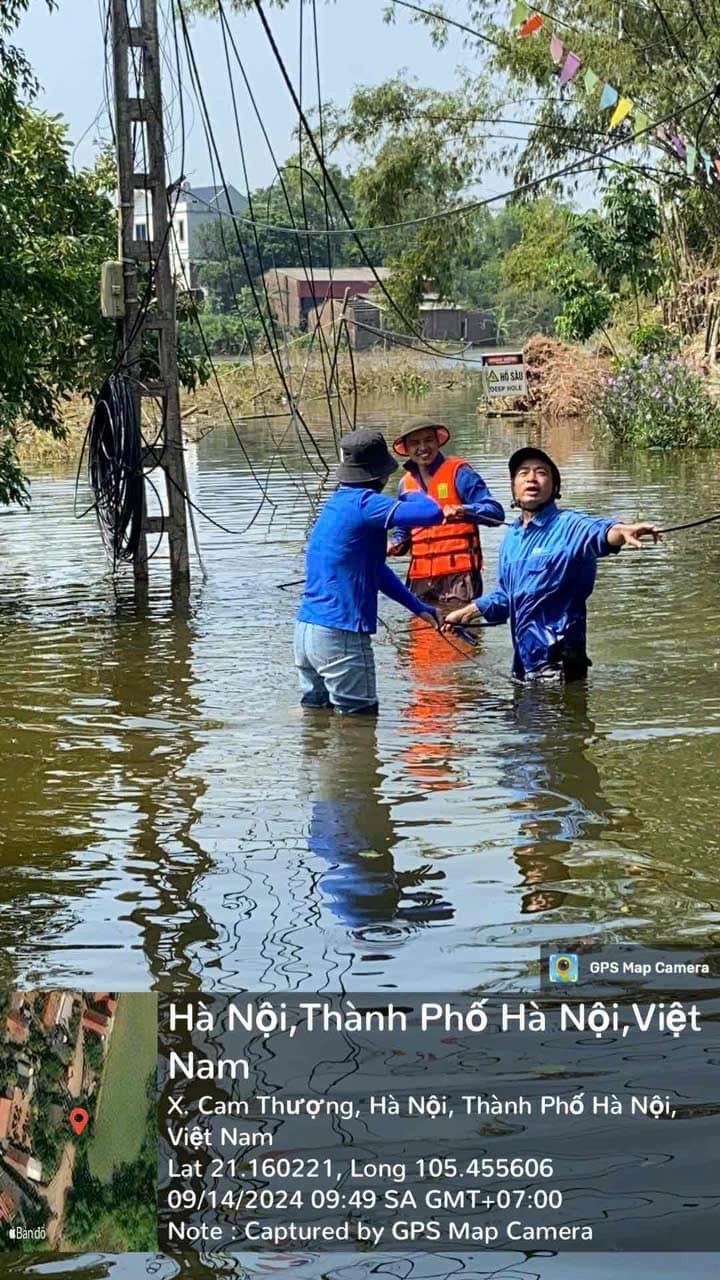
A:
546,571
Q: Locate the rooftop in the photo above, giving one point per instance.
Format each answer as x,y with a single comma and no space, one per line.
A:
324,274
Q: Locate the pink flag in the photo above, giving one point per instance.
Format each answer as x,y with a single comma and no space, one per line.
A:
570,69
556,48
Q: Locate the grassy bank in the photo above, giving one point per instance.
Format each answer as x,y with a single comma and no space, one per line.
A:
120,1121
249,390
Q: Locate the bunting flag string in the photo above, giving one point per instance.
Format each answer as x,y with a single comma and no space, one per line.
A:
527,21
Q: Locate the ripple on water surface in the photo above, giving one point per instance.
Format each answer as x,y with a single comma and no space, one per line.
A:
170,818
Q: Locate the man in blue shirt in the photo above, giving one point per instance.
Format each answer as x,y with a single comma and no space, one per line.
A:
344,571
546,571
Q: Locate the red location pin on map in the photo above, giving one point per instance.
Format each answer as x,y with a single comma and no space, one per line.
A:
78,1119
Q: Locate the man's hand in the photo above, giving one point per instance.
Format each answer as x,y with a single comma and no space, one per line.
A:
398,546
468,613
430,615
453,513
629,535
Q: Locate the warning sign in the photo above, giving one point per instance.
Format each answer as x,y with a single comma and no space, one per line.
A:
504,374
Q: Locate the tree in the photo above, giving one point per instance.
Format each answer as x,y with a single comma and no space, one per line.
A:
647,52
56,226
609,252
233,254
418,154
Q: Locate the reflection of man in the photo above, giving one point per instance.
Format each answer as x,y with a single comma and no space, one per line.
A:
559,796
351,829
445,560
546,571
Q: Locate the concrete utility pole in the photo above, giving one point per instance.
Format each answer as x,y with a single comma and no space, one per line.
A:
138,107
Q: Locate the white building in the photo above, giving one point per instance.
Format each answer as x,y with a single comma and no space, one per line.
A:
193,208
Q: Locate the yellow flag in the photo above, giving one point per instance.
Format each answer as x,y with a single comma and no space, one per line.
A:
623,109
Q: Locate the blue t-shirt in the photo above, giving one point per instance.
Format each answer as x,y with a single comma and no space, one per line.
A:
345,560
546,571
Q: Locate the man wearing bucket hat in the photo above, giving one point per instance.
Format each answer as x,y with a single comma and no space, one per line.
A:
445,560
546,571
344,571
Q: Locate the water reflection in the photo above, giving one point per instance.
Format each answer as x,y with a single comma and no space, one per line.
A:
433,706
169,818
351,829
100,750
558,790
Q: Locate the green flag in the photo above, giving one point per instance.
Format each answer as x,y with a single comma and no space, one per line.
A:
519,13
691,161
590,80
641,120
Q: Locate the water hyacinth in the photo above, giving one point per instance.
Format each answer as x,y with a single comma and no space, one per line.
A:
658,401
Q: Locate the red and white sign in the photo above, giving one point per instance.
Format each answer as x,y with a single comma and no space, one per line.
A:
504,374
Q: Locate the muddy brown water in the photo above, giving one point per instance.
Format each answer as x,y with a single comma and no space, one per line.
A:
171,820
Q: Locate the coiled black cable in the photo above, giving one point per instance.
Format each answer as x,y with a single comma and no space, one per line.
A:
114,466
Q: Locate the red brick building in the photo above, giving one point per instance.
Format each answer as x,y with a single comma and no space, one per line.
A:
294,292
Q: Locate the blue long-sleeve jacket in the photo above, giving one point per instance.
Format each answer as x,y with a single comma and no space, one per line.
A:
546,571
482,507
345,560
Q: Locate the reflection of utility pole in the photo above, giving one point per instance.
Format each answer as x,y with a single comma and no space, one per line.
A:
136,68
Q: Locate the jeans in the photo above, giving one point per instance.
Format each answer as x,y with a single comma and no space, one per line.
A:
335,668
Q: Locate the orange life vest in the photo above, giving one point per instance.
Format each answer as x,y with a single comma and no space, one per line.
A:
443,548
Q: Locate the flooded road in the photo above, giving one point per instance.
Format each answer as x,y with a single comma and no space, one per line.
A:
171,819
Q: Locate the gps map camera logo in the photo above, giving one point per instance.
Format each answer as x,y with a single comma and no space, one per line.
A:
563,968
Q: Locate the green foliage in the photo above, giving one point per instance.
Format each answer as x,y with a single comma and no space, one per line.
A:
621,242
56,227
120,1215
230,254
93,1052
411,383
652,338
586,303
419,152
656,401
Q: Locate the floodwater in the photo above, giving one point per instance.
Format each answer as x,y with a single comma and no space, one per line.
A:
171,820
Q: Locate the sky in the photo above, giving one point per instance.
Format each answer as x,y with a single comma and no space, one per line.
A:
357,47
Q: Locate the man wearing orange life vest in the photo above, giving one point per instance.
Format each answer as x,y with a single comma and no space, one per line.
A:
445,560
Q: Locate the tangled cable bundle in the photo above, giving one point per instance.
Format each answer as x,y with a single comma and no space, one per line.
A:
114,447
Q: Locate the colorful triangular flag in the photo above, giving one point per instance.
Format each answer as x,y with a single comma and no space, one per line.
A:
608,97
641,120
623,109
706,161
519,13
571,67
716,162
591,80
691,161
556,48
533,23
678,146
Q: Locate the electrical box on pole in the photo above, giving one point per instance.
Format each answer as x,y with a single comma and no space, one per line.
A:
149,325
